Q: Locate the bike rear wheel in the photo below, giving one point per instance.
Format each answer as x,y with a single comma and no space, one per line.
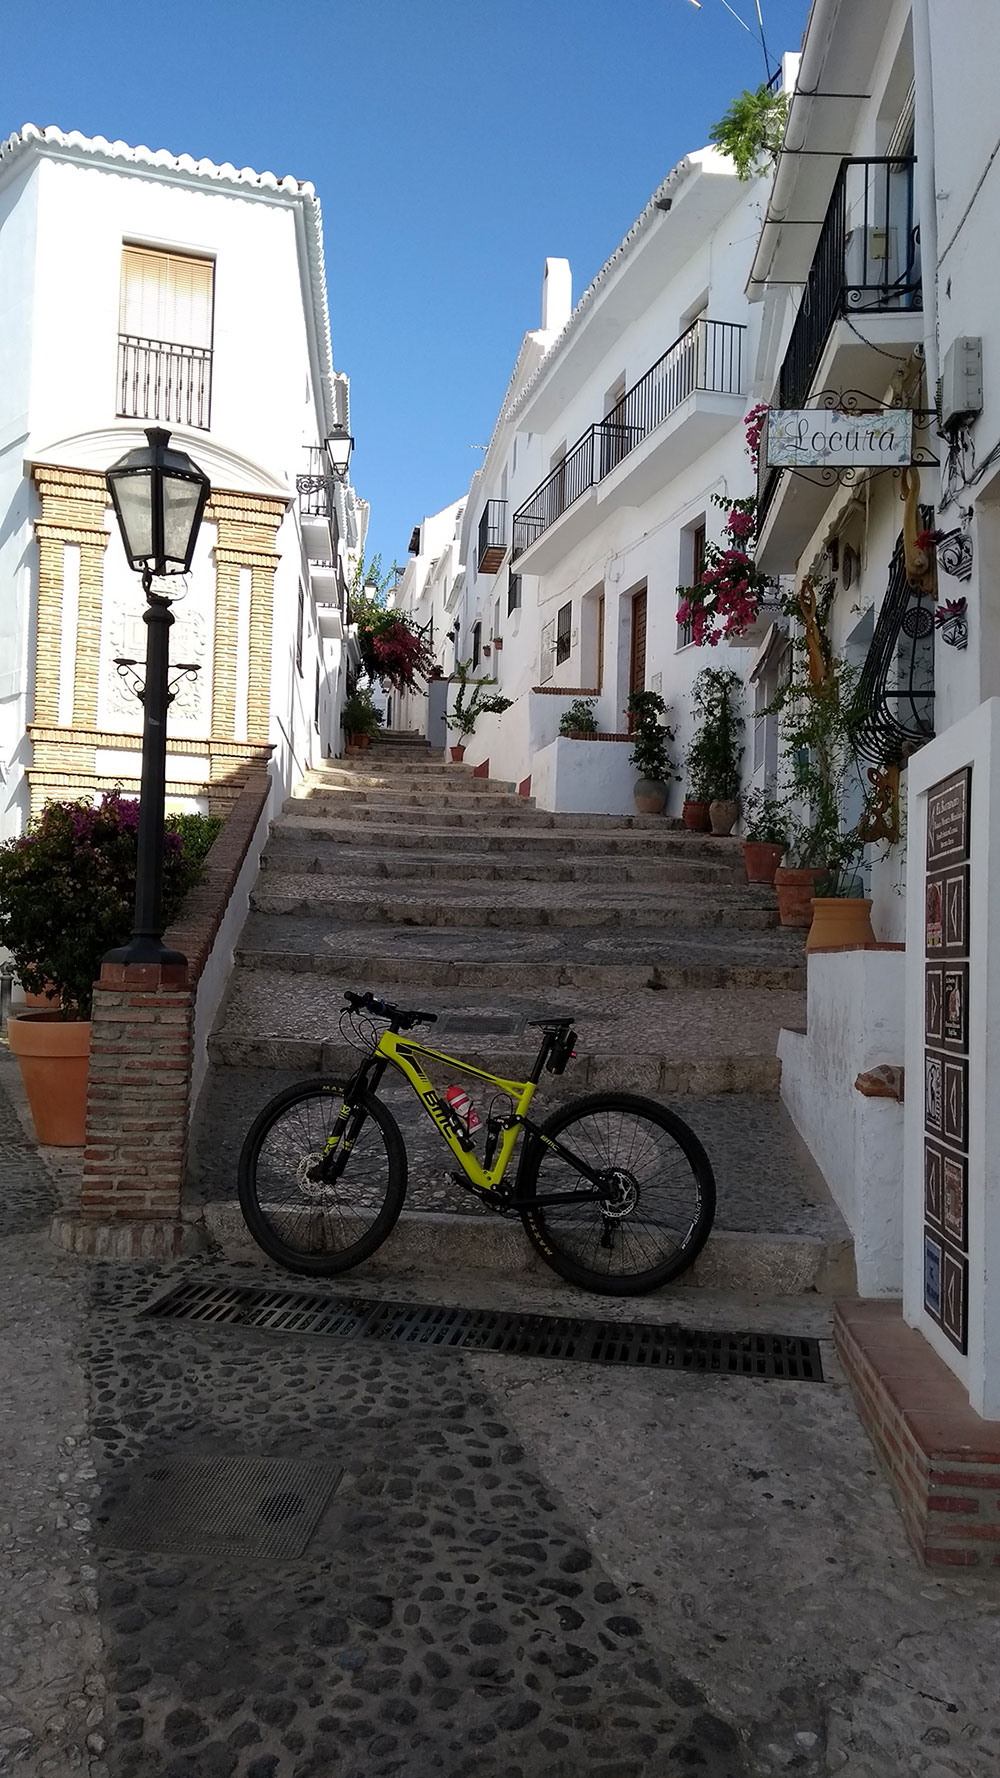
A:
663,1194
310,1225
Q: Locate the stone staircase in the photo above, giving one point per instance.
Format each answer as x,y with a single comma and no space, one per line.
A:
400,874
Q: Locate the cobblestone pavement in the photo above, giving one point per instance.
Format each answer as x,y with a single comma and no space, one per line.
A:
527,1568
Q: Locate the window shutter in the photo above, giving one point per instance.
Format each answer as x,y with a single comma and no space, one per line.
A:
166,296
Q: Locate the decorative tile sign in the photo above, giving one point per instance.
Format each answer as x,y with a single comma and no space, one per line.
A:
946,1050
803,438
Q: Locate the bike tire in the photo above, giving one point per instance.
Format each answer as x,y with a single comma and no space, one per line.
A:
668,1174
320,1229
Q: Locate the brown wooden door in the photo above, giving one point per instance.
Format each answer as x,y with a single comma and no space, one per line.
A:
637,653
600,643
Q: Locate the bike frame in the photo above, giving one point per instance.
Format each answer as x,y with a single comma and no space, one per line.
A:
399,1052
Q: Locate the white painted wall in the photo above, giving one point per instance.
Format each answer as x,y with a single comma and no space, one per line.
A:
693,257
66,204
854,1024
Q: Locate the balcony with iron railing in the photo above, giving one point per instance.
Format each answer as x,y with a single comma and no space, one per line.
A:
860,311
318,507
158,380
867,262
707,359
492,536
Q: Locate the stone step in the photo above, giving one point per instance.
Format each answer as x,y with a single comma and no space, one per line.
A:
777,1229
522,816
686,1042
490,960
399,797
536,904
331,859
298,823
349,777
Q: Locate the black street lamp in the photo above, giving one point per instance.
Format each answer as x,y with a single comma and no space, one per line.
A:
339,446
159,497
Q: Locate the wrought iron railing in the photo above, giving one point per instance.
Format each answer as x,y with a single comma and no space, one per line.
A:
867,260
316,489
161,381
894,702
492,536
708,356
570,478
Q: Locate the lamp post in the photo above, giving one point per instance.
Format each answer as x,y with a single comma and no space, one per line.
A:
159,497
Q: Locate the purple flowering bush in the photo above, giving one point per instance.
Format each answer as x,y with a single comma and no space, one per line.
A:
67,891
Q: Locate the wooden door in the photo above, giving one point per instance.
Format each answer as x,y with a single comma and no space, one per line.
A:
637,652
600,643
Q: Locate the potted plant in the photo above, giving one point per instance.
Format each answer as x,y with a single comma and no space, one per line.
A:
727,598
67,894
713,758
841,915
471,702
360,719
651,737
818,725
579,721
765,835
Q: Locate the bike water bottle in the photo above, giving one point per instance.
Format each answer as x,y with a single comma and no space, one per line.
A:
457,1099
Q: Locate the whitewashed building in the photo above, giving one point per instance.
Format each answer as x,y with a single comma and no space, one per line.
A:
875,278
143,288
623,418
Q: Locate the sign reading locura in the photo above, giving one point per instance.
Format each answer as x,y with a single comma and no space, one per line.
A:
800,438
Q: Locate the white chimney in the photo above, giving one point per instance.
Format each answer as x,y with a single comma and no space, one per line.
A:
557,295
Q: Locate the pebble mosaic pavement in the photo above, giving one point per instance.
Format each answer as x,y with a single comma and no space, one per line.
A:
528,1571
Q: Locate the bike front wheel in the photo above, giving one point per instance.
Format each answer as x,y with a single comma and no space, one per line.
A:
660,1203
306,1223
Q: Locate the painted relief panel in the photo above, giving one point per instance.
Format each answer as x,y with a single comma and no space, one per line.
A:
946,1049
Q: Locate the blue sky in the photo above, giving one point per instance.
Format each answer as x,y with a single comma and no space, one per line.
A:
453,143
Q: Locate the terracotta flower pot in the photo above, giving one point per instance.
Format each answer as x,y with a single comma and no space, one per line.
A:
649,796
840,923
795,889
761,858
53,1054
695,817
458,754
722,814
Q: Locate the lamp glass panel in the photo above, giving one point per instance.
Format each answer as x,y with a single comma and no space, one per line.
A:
135,505
181,499
339,450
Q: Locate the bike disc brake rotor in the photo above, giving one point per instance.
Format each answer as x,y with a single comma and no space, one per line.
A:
308,1177
623,1190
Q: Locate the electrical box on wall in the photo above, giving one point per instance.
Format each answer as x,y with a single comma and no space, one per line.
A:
962,380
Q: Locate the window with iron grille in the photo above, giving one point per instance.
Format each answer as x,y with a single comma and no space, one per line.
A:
692,566
165,337
513,592
300,624
564,633
477,644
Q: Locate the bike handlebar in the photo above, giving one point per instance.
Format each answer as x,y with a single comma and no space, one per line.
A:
384,1009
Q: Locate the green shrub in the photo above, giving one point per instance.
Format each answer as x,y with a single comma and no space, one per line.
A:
67,890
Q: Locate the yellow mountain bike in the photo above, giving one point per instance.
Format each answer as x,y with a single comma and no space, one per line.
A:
615,1191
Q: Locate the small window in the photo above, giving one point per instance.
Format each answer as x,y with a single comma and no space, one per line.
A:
496,619
513,592
165,322
477,641
564,633
692,566
300,621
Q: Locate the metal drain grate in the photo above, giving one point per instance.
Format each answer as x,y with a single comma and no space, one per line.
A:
492,1330
218,1506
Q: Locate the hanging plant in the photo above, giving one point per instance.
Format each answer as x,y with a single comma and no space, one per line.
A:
726,599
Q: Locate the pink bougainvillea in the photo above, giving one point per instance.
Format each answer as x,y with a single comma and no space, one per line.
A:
726,598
